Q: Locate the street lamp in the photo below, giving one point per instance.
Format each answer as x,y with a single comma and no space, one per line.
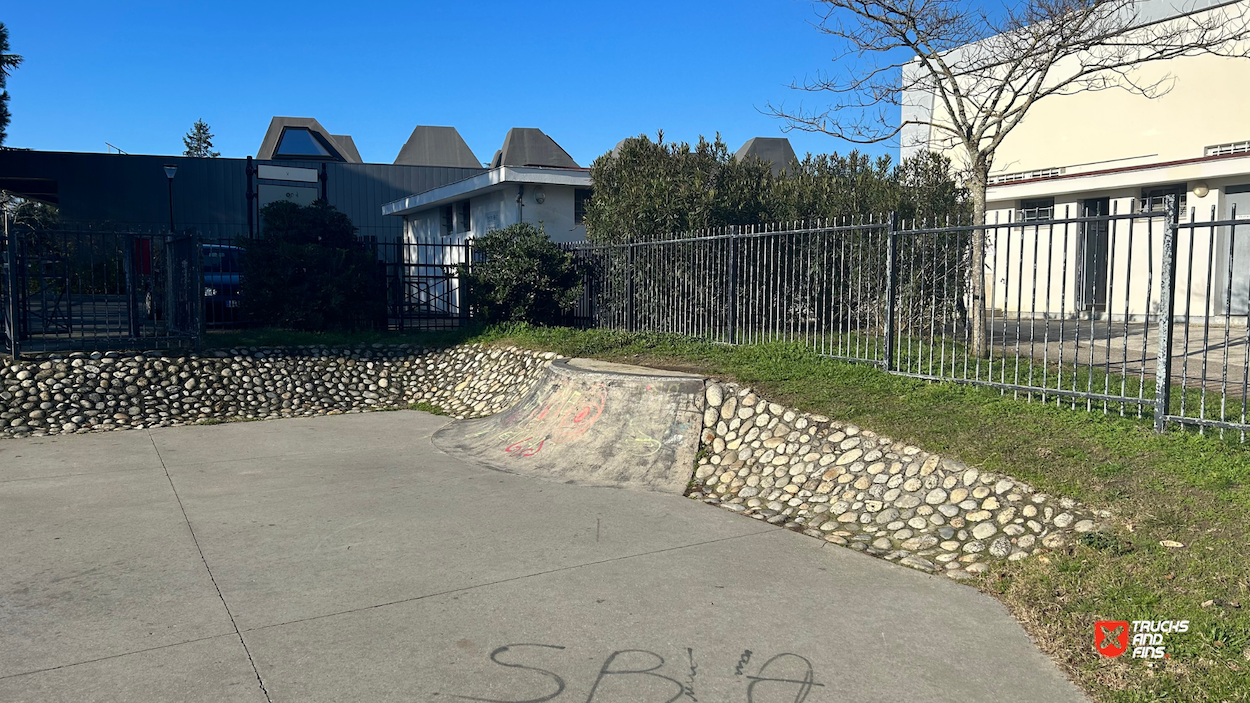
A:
170,171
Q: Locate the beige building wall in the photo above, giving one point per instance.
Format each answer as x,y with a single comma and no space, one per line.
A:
1203,103
1114,128
1114,144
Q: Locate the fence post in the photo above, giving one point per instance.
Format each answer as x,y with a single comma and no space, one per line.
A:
891,290
463,293
631,319
132,284
10,317
1167,311
731,284
195,308
170,303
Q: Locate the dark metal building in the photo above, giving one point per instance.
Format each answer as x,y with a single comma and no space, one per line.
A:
221,197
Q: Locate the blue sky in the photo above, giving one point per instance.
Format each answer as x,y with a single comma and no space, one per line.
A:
588,73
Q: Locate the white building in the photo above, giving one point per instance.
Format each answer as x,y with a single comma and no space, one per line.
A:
1114,152
531,179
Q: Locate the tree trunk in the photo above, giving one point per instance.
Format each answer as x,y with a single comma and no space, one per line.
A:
977,337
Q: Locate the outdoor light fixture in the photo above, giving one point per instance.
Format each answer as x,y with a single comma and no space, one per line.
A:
170,170
539,196
1201,189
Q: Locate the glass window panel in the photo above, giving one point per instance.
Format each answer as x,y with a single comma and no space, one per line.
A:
1038,209
300,142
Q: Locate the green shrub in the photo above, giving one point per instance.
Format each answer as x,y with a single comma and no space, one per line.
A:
521,276
309,272
646,189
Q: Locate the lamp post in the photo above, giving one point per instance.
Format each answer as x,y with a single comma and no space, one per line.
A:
170,171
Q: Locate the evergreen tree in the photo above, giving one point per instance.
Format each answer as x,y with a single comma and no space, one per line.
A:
8,62
199,141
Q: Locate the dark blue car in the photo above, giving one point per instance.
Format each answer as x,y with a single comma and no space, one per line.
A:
222,273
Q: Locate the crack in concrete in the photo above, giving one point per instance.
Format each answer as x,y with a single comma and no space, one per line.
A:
208,569
114,656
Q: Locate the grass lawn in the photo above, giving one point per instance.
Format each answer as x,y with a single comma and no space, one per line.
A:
1177,486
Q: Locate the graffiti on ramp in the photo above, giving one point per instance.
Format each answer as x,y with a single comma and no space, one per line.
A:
593,423
565,416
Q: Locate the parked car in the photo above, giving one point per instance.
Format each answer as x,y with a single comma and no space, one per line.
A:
222,274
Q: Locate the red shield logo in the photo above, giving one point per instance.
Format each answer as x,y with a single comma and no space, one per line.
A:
1111,637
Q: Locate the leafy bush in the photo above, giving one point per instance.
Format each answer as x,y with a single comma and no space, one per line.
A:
521,276
645,189
309,272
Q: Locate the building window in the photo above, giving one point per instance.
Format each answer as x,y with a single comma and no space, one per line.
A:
300,142
1037,210
1155,199
581,198
447,226
463,223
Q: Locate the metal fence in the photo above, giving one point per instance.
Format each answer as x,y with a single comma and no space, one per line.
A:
422,288
93,289
1079,310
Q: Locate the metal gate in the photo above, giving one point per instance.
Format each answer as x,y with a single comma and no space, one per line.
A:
80,290
423,286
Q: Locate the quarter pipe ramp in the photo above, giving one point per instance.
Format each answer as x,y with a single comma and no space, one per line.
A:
593,423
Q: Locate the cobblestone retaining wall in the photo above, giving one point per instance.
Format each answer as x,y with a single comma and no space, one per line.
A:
852,487
828,479
95,392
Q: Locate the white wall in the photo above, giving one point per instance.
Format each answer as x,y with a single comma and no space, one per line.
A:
497,209
1108,128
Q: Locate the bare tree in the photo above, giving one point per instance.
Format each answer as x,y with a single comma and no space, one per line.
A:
986,71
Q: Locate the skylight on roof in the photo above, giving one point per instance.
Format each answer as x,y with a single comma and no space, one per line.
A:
298,141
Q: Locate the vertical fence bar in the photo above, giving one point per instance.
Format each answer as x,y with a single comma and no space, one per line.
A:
10,318
630,320
731,285
1167,309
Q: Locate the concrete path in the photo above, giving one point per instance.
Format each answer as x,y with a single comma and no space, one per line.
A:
347,559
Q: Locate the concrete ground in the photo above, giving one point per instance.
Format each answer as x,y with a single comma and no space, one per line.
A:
347,559
1133,350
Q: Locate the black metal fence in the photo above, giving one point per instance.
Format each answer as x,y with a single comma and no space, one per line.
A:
422,288
95,289
1079,310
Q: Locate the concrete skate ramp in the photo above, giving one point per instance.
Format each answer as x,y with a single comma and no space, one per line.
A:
592,423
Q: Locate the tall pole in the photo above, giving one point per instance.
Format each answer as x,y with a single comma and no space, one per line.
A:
170,170
251,228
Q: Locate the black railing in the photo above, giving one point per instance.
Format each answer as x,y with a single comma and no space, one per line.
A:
1078,309
71,289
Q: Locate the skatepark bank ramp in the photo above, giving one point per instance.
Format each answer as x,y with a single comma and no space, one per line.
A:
593,423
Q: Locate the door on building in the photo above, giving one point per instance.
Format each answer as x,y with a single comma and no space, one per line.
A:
1233,249
1092,275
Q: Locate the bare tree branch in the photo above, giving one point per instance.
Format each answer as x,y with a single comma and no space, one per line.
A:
984,73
